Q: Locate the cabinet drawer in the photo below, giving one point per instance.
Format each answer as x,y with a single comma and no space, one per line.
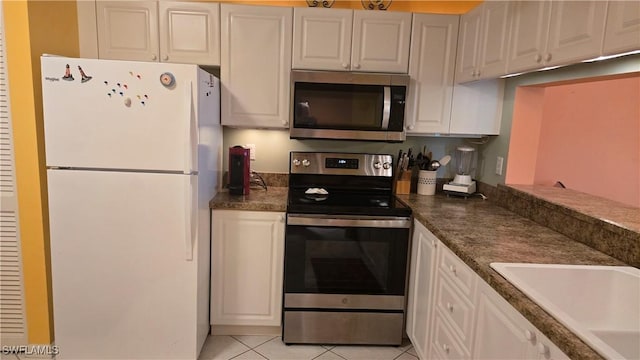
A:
461,275
456,310
444,344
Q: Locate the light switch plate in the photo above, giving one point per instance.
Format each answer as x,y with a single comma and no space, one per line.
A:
499,164
252,151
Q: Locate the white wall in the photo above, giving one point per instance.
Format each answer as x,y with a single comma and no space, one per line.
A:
273,147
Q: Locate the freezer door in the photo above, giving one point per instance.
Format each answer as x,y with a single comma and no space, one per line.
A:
110,114
122,287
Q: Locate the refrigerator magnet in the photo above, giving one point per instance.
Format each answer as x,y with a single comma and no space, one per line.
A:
167,80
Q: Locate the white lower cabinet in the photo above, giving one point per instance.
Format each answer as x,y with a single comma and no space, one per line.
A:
247,257
422,274
455,289
453,314
502,333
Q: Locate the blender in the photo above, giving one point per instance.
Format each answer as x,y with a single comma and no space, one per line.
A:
464,161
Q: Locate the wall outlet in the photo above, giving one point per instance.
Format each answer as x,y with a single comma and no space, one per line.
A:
252,151
499,164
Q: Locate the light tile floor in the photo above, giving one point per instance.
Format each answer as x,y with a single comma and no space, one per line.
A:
272,348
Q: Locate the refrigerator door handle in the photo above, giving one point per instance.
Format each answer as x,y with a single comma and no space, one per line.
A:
190,216
190,129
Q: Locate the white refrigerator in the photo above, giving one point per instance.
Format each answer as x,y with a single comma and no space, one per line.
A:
133,154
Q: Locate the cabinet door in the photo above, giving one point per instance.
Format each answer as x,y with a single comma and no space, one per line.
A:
255,65
494,39
127,30
622,31
529,30
468,50
190,32
247,256
431,68
322,38
477,108
421,288
576,30
501,332
380,41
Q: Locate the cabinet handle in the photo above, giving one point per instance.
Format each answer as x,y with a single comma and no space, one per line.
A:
154,57
473,73
538,58
282,218
452,269
410,127
446,348
357,66
543,350
478,73
450,307
345,65
547,57
165,58
530,335
285,122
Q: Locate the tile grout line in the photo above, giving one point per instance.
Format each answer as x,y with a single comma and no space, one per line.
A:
249,346
322,353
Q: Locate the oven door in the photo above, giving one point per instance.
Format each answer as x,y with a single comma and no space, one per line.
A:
334,254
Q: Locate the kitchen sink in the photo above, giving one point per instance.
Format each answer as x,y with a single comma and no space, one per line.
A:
600,304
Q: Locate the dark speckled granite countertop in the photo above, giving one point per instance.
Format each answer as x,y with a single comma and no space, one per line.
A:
480,233
272,199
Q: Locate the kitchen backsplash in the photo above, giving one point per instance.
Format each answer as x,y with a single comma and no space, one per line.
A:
273,147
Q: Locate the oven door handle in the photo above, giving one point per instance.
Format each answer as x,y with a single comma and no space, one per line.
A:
349,221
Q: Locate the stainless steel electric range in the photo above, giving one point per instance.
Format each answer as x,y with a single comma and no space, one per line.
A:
346,251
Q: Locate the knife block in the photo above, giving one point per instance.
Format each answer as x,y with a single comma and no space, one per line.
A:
403,184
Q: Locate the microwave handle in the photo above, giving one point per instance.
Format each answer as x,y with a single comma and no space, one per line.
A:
386,108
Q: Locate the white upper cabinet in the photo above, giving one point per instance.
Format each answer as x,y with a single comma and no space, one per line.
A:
622,33
483,41
180,32
190,32
468,49
127,30
348,40
494,39
576,30
550,33
381,41
255,65
322,38
431,68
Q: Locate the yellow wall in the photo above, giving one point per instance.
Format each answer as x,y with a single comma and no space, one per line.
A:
33,28
50,26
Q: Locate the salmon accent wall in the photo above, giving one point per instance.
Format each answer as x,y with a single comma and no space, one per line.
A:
586,135
33,28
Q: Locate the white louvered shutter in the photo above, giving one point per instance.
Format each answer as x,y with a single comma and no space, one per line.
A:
13,328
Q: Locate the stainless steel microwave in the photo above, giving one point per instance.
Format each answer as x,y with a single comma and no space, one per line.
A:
345,105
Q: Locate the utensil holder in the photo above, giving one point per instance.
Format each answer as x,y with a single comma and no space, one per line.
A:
427,182
403,185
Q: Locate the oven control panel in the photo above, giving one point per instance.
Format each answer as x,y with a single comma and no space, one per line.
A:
340,164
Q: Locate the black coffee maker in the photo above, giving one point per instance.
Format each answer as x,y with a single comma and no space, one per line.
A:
239,158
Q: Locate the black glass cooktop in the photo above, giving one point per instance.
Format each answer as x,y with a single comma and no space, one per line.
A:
346,202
